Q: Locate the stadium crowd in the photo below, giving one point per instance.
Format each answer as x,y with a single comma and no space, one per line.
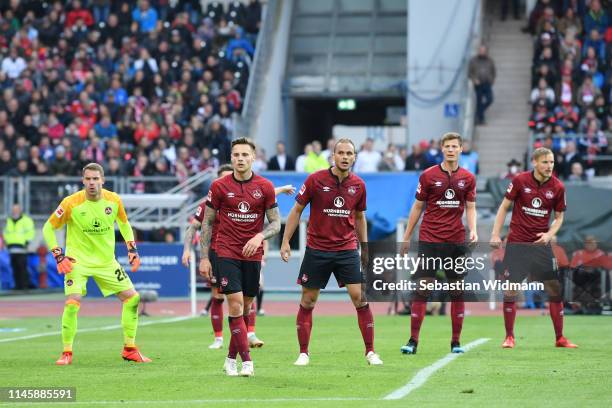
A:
572,83
145,88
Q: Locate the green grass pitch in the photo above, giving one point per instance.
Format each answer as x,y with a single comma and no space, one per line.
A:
186,373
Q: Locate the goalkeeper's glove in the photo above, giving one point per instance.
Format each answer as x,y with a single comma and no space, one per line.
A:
133,257
64,263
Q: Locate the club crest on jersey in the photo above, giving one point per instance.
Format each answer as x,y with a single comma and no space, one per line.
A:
108,211
549,194
536,202
69,282
339,202
59,212
303,189
257,194
461,184
352,190
449,194
243,207
224,281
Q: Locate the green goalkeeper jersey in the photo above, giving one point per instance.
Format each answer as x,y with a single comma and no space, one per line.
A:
90,235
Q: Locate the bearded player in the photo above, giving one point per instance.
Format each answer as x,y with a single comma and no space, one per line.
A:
216,301
535,194
444,191
337,225
90,216
240,201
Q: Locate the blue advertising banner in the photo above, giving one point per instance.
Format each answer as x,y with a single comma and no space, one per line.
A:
160,270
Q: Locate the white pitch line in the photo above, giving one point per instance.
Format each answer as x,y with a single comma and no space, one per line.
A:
95,329
423,374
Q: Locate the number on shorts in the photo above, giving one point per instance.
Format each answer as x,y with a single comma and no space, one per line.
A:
120,274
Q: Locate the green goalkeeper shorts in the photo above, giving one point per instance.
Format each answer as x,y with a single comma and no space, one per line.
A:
110,279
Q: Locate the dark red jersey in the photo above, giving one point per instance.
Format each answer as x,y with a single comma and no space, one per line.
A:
241,207
445,196
199,216
332,209
533,204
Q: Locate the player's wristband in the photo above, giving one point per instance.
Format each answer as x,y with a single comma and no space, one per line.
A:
131,246
58,254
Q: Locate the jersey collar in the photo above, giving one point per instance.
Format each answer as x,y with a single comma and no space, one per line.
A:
243,181
446,172
331,173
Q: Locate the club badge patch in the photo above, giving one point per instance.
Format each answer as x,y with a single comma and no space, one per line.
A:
108,211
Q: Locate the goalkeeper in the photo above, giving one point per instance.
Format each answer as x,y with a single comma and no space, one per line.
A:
90,216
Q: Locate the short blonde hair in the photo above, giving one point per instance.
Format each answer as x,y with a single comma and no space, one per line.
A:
451,136
539,152
345,140
94,167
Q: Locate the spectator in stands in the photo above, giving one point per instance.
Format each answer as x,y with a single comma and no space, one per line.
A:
315,160
587,93
514,167
577,172
543,92
505,5
387,163
260,164
13,65
541,117
571,156
145,16
60,165
300,161
6,162
416,160
596,18
368,159
569,21
482,74
281,161
587,263
535,15
469,158
569,45
105,129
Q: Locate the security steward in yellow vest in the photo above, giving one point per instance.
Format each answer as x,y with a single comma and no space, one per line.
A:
18,232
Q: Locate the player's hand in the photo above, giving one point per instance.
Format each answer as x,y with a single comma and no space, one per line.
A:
205,268
288,189
252,245
473,238
544,238
495,241
185,257
404,248
64,263
133,257
285,251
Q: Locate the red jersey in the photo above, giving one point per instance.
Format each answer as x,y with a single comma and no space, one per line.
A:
594,259
241,207
533,203
332,209
199,216
445,196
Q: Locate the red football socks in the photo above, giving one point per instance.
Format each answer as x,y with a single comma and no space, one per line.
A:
239,339
556,314
216,316
252,318
416,318
304,326
457,314
366,325
509,316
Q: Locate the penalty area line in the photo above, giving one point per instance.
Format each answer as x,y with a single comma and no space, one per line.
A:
95,329
423,374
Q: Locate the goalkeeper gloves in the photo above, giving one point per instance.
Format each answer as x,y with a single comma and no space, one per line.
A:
64,263
133,257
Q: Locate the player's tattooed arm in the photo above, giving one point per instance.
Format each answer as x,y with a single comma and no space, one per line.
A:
273,228
189,234
209,219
